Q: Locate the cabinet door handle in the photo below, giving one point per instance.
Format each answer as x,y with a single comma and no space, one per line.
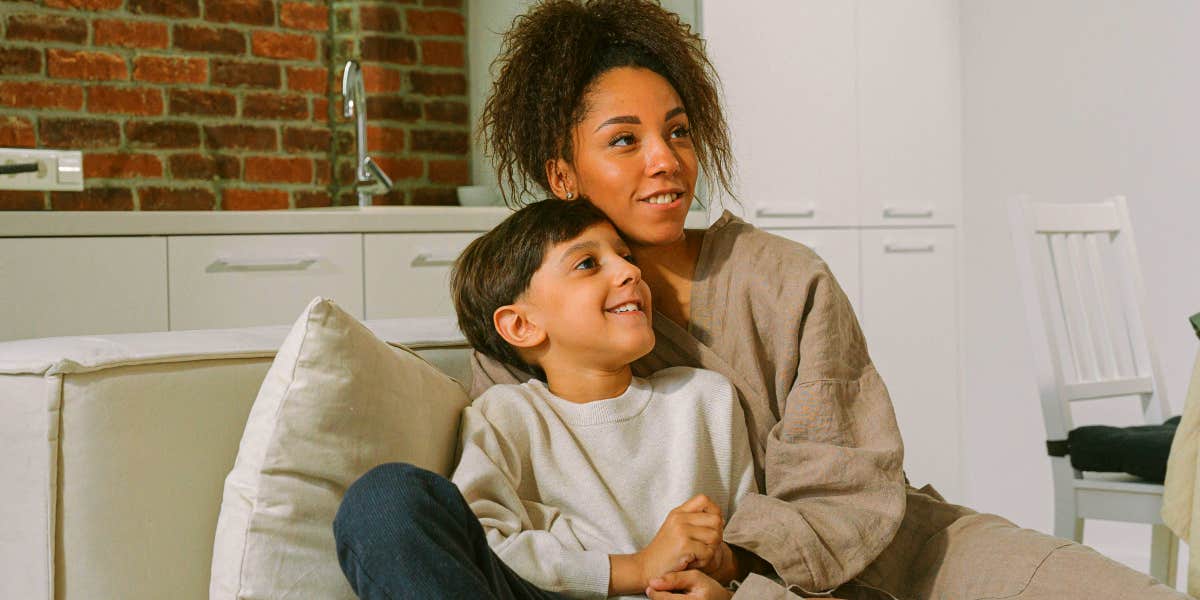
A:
429,259
227,265
808,213
896,213
895,248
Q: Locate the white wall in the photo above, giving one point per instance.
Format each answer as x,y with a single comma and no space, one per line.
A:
1072,100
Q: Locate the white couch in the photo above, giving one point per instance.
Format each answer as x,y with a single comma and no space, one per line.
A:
114,451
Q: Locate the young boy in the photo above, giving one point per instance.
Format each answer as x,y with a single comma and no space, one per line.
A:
587,480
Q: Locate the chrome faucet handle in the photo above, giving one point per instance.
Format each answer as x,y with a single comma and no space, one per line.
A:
377,175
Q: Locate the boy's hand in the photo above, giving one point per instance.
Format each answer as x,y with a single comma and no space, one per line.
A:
692,585
690,537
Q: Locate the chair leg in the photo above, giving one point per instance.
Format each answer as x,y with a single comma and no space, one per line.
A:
1164,555
1067,526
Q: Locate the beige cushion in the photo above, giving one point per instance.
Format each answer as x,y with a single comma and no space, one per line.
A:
335,402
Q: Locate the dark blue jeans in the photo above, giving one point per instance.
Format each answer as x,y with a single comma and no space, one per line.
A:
404,532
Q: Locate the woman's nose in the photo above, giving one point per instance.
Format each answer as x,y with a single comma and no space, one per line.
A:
661,157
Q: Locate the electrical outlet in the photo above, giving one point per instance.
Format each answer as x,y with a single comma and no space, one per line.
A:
56,170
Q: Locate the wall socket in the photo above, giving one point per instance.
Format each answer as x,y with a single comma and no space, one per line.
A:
57,170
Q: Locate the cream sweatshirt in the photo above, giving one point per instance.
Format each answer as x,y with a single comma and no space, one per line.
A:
558,486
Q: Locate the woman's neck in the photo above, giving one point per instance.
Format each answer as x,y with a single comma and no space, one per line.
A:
668,270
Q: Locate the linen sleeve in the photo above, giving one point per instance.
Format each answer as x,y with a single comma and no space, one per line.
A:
834,495
533,539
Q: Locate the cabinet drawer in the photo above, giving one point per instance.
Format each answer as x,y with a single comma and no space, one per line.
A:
408,274
242,280
80,286
839,249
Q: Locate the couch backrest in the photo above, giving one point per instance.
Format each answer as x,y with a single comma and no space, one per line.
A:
115,451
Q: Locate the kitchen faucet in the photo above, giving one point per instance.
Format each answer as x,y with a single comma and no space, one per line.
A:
370,179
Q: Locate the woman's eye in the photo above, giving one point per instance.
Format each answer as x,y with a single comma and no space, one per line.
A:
630,259
622,140
585,264
681,132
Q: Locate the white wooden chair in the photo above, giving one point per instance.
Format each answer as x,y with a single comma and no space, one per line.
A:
1085,304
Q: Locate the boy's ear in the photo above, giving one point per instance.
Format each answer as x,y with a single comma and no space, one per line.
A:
513,324
562,179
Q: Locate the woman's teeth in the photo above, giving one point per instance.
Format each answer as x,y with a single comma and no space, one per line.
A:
625,308
661,199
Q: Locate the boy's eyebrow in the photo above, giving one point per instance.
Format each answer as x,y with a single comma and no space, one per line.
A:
576,247
632,120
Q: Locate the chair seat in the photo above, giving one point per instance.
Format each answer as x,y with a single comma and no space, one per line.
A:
1117,482
1118,497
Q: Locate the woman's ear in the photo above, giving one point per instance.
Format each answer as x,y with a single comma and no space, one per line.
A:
513,324
562,179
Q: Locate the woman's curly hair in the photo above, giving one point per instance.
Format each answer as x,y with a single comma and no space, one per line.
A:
555,51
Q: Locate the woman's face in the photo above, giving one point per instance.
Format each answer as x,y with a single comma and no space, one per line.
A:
633,155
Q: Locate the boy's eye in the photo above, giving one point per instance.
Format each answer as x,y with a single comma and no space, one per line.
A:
624,139
587,263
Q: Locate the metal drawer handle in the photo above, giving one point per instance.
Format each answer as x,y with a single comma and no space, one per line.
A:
895,213
429,259
901,248
227,265
808,213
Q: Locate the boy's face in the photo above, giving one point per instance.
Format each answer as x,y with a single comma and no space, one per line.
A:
591,302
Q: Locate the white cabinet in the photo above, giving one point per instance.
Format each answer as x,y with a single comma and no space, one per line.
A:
221,281
909,113
82,285
839,248
408,274
909,315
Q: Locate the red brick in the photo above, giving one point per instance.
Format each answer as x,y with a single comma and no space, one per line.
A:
286,46
249,12
443,54
20,61
392,198
304,16
275,106
445,3
93,199
169,69
306,140
166,8
270,169
381,80
85,4
442,142
253,199
199,38
438,84
435,22
401,168
379,18
47,28
16,132
385,139
202,102
162,134
176,199
302,79
324,172
32,94
389,49
121,166
129,34
205,166
394,108
78,133
239,137
234,73
129,101
320,109
22,200
66,64
456,172
435,197
312,199
447,112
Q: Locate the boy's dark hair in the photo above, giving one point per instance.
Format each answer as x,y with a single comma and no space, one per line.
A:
497,267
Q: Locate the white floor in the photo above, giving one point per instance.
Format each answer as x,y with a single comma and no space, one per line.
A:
1129,544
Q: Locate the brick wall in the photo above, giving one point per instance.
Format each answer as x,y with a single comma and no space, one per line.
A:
233,104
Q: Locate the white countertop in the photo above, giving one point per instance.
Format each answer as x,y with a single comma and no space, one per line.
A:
305,220
381,219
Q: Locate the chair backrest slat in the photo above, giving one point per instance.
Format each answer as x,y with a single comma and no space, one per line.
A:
1104,332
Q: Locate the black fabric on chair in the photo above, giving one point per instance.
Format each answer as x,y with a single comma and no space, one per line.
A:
1140,451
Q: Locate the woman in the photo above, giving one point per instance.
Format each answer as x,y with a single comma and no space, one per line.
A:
614,100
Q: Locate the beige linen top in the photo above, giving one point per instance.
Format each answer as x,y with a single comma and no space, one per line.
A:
767,314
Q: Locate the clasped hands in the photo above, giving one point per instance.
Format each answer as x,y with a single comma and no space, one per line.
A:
686,559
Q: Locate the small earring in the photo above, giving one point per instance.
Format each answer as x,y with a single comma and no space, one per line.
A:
570,195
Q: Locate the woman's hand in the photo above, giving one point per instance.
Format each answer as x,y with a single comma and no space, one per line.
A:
692,584
690,537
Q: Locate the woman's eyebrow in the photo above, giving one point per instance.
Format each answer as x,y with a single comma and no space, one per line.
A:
627,119
678,110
